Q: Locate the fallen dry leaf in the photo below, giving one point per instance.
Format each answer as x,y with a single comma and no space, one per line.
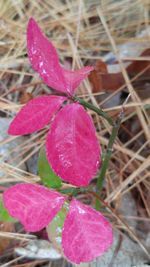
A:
101,80
25,97
5,242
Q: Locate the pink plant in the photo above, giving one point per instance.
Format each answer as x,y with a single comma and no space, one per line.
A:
86,233
72,150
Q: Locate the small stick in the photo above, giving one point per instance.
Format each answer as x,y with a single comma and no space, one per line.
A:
109,151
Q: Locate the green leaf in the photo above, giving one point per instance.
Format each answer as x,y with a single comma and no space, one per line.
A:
4,215
48,177
54,229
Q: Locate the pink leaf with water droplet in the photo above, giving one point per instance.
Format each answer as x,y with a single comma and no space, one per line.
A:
35,114
34,205
72,148
86,233
44,59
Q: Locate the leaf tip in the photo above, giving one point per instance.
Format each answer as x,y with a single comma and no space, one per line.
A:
11,129
31,23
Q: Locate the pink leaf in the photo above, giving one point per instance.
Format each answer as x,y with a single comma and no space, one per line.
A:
44,59
34,205
72,148
74,78
86,233
35,114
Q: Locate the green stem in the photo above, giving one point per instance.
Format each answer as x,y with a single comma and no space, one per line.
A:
106,160
73,191
99,111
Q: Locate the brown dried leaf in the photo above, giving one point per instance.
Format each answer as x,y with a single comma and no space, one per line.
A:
25,97
5,242
138,66
101,80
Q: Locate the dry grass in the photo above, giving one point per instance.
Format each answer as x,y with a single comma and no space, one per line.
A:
83,31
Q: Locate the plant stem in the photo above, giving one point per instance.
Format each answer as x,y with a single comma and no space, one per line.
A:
106,160
73,191
99,111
